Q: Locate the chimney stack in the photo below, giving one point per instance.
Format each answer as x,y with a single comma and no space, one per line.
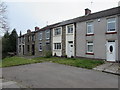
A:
36,28
28,31
87,11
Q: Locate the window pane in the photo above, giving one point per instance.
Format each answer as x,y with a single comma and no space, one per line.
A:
90,27
111,26
90,48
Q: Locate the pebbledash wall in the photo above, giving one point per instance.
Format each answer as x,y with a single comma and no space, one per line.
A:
94,35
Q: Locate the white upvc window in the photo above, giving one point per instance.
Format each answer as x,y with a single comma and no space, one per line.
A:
70,29
47,34
40,46
111,25
90,28
57,31
90,47
57,46
40,36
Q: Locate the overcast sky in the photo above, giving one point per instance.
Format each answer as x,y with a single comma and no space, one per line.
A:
26,14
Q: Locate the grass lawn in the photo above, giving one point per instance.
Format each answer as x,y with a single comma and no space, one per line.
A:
77,62
15,61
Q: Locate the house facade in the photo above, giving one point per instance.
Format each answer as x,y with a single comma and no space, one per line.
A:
97,35
94,35
63,40
43,41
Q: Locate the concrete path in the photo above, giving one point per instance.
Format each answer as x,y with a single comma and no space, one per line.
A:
52,75
109,68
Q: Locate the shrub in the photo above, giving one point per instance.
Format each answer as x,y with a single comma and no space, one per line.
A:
48,54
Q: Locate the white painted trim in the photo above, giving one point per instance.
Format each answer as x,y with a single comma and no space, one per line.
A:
54,31
90,44
70,37
110,22
92,25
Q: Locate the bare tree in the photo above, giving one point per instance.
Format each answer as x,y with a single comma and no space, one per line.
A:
3,18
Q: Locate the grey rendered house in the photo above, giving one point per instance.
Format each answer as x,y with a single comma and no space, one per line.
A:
97,35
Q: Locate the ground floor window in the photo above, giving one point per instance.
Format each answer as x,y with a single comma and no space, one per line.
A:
40,46
57,46
90,47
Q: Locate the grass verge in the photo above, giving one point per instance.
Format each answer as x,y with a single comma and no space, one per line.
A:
77,62
15,61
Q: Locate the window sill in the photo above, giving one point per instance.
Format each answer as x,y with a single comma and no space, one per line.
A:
89,34
90,53
111,33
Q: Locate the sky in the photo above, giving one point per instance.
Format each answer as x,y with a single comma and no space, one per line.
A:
26,14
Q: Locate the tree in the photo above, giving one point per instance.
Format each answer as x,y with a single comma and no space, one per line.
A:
3,19
9,42
13,40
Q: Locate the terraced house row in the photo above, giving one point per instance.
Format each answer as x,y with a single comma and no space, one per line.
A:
94,35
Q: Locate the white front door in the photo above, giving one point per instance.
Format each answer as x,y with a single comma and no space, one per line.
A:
111,51
70,49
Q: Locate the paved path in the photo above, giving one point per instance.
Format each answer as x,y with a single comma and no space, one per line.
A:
109,68
52,75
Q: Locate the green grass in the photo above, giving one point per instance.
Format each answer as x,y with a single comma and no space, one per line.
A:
77,62
15,61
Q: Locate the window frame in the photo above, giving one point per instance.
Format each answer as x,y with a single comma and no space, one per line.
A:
40,36
55,31
89,43
47,32
57,47
68,29
111,22
92,25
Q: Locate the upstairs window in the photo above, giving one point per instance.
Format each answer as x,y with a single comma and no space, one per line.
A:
90,47
90,29
111,25
47,34
40,36
57,46
28,38
57,31
70,29
33,37
23,39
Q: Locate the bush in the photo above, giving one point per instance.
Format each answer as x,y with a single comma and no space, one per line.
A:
48,54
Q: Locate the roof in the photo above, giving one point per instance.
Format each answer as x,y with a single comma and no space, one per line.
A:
100,14
104,13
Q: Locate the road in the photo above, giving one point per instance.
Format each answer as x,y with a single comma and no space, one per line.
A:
52,75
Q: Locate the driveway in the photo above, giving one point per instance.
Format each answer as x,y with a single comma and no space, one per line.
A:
52,75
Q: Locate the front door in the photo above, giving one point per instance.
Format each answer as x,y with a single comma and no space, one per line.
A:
111,51
33,49
70,49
